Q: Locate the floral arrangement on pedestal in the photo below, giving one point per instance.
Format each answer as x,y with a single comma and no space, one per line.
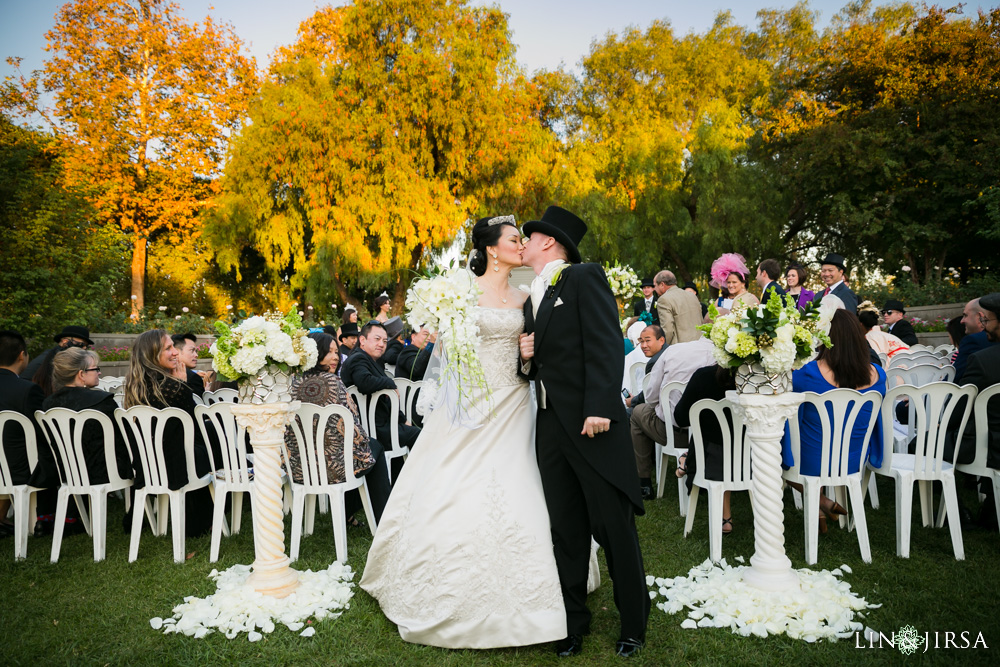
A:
624,283
766,342
262,353
447,302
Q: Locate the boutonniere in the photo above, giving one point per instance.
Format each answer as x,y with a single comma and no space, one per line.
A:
555,276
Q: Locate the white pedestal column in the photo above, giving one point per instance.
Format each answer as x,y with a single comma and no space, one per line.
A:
266,423
765,417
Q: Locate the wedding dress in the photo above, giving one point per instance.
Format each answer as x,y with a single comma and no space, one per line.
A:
463,555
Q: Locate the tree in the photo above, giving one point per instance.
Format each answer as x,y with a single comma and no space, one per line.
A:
145,103
375,137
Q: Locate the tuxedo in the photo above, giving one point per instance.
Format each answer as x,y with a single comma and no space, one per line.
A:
368,375
768,289
591,486
639,307
844,293
903,330
680,315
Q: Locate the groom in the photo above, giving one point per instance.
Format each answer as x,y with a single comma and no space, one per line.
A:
573,350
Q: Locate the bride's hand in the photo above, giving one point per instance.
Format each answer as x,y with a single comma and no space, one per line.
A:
527,344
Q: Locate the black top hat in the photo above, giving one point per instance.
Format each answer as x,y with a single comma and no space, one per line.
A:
835,259
647,282
330,329
348,329
561,225
73,331
393,327
892,304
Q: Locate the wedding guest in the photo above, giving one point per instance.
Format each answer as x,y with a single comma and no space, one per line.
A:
652,342
894,315
413,359
975,338
767,277
382,306
879,340
956,332
350,314
795,280
731,270
647,304
149,382
348,338
70,336
689,286
321,386
394,330
187,363
833,274
679,311
845,364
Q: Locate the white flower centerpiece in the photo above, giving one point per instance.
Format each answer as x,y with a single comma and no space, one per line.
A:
766,342
262,353
624,283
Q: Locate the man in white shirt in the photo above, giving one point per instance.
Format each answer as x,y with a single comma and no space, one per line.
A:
648,422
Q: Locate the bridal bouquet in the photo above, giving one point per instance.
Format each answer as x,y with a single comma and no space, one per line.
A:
775,335
447,302
623,281
260,341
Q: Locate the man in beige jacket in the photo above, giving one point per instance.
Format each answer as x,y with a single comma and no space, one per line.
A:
679,310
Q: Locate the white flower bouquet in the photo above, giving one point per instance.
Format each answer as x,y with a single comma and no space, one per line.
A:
243,351
777,335
447,302
623,281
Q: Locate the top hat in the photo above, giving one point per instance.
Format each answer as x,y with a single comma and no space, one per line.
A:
393,327
690,285
330,329
893,304
348,329
561,225
834,259
647,282
73,331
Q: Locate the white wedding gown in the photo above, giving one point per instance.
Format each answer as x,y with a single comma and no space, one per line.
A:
463,555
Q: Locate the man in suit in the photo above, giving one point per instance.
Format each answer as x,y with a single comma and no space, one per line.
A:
70,336
767,277
894,316
831,272
647,304
348,343
974,341
413,359
572,349
680,311
364,370
21,396
187,362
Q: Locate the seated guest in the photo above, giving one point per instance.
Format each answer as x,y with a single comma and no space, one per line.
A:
846,364
767,277
880,341
956,332
413,359
652,342
149,382
647,304
364,371
689,286
710,381
348,338
25,397
320,386
894,315
677,363
394,330
187,362
975,338
71,336
795,279
75,373
832,273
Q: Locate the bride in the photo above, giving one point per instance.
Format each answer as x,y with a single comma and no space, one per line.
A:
462,557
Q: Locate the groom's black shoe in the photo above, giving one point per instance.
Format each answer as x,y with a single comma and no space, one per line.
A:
646,488
570,646
626,648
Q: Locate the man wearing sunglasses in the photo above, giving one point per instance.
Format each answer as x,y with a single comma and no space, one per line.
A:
894,316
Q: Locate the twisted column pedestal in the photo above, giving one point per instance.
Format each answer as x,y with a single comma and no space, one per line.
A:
266,423
765,417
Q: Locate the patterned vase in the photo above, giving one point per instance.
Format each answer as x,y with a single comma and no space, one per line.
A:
753,379
269,386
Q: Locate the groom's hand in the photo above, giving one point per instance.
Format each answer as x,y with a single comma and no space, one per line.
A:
595,425
527,343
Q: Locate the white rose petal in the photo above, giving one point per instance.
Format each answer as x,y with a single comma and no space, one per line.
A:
308,632
156,623
254,636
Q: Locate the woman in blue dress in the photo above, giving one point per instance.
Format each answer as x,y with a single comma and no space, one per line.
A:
846,364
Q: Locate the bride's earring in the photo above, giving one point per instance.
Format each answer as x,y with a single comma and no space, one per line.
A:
496,263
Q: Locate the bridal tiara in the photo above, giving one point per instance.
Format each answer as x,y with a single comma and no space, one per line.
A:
501,219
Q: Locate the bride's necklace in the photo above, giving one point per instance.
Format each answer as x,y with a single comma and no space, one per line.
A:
501,296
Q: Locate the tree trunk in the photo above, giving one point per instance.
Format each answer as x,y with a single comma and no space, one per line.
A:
138,276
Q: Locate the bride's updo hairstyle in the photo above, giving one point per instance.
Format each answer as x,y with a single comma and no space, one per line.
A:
486,232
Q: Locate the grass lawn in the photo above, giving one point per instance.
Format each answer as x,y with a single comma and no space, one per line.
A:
81,612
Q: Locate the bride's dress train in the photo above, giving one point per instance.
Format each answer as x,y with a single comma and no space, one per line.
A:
463,555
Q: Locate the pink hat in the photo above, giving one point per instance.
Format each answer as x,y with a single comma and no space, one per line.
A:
722,267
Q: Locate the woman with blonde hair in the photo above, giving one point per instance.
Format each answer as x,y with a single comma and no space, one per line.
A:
150,382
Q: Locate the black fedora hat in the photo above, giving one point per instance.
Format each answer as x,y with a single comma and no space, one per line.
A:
73,331
893,304
561,225
834,259
348,329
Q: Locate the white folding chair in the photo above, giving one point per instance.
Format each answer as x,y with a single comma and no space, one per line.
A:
931,409
361,403
635,374
918,375
902,359
393,449
234,474
735,468
109,384
838,412
309,428
670,448
144,426
22,496
64,430
224,394
407,395
978,466
944,350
